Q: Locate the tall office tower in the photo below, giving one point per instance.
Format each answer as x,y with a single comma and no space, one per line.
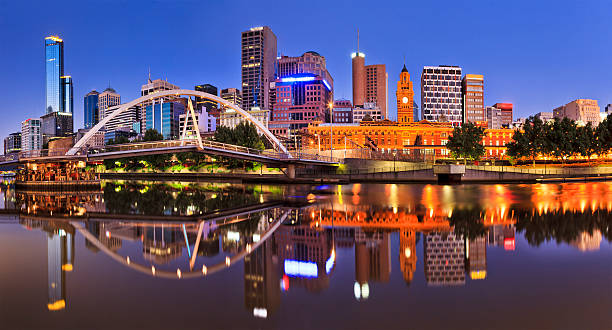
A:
164,117
108,98
232,95
67,94
258,67
202,103
415,112
476,257
154,86
444,259
54,67
506,113
56,124
301,98
262,293
441,94
60,259
473,98
405,98
31,137
359,76
12,143
583,110
309,62
377,85
90,109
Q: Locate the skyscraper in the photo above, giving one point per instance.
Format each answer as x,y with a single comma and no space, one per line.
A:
67,95
154,86
359,76
441,94
232,95
108,98
258,46
405,98
90,109
31,137
206,103
377,84
309,62
506,113
12,143
473,98
54,67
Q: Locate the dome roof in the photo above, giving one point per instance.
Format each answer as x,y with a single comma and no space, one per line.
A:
312,52
111,90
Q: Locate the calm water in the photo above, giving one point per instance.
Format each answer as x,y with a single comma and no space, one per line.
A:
221,256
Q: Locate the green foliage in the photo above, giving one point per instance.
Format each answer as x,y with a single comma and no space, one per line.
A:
245,135
466,142
152,135
118,140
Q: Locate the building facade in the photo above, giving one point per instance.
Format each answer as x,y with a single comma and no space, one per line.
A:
231,118
56,124
67,94
54,71
126,119
473,98
441,99
12,143
258,60
545,116
202,103
506,111
90,109
405,98
108,98
359,77
581,110
31,135
493,117
301,99
164,118
342,112
377,85
154,86
232,95
206,124
370,110
309,62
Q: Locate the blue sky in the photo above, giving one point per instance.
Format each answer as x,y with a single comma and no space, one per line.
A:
535,54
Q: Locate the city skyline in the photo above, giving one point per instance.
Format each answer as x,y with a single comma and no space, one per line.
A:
504,81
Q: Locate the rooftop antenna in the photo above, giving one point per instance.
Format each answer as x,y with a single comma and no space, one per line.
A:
357,41
150,81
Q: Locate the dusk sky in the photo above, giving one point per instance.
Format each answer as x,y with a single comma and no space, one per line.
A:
535,54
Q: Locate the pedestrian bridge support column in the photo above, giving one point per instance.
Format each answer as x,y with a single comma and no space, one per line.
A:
291,171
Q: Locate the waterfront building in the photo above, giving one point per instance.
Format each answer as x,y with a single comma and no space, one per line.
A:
405,98
108,98
12,143
377,85
154,86
31,136
90,109
301,99
506,112
164,117
493,117
545,116
231,118
54,71
342,112
444,259
56,124
258,59
473,98
367,110
309,62
232,95
126,119
206,123
202,103
441,97
580,110
96,141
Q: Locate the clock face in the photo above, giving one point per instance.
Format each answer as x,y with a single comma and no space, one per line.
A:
405,100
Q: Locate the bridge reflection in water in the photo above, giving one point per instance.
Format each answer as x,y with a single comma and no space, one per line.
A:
285,244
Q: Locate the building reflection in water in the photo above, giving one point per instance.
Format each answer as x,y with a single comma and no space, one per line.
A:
301,252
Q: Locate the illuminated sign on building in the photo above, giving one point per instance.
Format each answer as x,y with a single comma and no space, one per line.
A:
301,268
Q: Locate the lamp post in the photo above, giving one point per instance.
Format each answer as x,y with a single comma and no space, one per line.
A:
331,129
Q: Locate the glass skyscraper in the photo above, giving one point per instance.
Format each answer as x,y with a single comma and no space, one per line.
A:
164,118
54,66
90,109
67,97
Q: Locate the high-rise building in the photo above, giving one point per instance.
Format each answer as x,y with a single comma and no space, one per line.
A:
369,111
441,94
124,120
582,110
56,124
261,289
206,123
301,98
309,62
377,85
473,98
405,98
90,109
342,112
232,95
258,60
359,77
54,67
202,103
545,116
12,143
31,137
154,86
506,112
372,259
108,98
415,111
444,259
476,257
493,117
164,117
67,94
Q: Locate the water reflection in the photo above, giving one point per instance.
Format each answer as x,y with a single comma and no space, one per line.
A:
177,232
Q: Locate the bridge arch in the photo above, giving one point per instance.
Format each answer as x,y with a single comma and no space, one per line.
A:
178,92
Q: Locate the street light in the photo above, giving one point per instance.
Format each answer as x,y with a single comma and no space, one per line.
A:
394,154
331,129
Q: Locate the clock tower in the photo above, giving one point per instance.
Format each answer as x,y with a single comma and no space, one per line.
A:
405,98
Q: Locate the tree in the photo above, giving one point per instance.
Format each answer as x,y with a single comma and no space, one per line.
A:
466,142
530,142
118,140
603,137
152,135
244,134
585,143
561,138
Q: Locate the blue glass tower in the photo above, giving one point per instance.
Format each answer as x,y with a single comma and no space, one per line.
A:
164,118
68,100
90,109
54,67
